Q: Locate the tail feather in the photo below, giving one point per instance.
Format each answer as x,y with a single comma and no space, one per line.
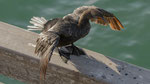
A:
38,20
38,23
42,18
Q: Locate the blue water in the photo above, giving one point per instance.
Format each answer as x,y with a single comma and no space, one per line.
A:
131,44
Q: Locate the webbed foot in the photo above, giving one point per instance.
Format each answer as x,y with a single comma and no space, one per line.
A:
65,56
66,51
74,50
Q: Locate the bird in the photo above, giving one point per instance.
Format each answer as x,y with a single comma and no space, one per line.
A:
59,32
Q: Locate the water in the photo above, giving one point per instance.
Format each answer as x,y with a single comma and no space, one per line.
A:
6,80
131,45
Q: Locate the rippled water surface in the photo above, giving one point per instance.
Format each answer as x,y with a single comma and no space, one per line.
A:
131,45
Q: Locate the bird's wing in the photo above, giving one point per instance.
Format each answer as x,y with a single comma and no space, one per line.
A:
46,43
108,19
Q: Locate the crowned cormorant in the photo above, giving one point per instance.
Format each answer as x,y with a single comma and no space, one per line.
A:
60,32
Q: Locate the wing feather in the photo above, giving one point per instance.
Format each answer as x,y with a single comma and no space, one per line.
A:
119,23
111,20
46,43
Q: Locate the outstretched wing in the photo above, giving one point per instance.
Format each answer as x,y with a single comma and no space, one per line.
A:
110,20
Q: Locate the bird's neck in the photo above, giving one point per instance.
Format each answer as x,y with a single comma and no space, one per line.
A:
84,19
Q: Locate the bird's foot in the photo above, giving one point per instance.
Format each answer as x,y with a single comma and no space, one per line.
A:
66,51
75,50
65,56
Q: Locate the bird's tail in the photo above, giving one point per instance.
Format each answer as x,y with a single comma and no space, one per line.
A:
38,23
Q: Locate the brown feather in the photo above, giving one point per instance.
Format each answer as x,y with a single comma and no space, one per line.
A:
44,48
43,67
115,24
119,23
112,24
45,58
39,46
101,21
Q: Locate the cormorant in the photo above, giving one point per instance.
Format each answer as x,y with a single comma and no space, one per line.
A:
60,32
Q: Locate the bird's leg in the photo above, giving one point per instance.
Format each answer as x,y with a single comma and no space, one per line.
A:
77,51
65,56
66,51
